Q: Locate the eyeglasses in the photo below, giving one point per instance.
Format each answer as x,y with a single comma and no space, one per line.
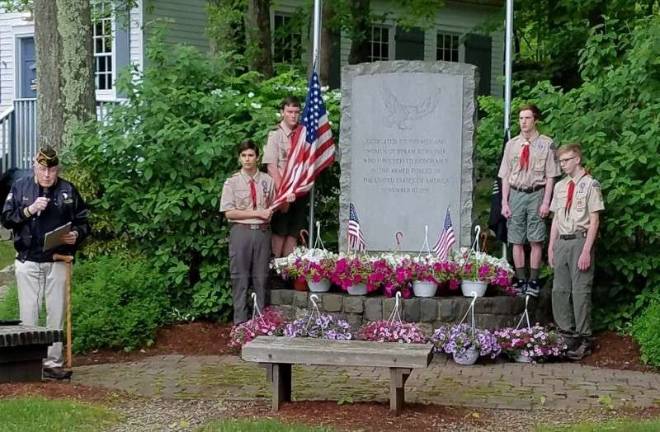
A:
561,161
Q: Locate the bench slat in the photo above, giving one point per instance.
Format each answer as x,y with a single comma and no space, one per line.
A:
272,349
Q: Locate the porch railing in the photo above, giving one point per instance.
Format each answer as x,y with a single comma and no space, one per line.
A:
18,132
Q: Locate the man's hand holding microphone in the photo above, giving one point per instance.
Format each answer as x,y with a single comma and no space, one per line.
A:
38,205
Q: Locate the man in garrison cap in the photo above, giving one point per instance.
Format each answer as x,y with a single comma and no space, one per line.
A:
35,206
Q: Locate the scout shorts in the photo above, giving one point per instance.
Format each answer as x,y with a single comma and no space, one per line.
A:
291,222
525,224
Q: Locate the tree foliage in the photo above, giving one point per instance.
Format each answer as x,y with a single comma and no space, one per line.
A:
614,115
153,171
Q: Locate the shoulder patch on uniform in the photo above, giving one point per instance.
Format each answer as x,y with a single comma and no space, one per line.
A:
595,183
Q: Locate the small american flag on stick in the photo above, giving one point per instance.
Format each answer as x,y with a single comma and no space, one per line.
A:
312,147
446,239
355,237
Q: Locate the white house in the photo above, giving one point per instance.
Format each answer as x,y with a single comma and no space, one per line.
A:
119,41
456,35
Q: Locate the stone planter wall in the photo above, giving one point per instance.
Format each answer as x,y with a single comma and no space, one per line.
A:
490,312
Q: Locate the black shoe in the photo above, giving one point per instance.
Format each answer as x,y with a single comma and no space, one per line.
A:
580,352
57,373
533,288
520,287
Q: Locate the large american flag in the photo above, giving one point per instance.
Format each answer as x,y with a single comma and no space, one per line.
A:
312,147
355,237
446,239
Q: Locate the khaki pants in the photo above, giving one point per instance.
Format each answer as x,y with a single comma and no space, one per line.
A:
571,289
36,281
249,255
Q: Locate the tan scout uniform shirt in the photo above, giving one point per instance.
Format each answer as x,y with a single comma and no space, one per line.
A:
542,162
236,194
277,146
587,198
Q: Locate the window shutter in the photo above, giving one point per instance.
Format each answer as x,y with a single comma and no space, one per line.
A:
122,44
409,44
478,52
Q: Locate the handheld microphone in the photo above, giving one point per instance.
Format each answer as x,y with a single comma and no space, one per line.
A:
44,194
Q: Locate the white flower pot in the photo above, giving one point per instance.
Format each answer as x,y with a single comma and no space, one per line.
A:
519,358
321,286
359,289
469,288
424,288
469,357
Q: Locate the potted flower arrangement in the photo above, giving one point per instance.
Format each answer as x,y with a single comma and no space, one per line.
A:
392,331
425,283
269,323
530,344
478,269
465,343
446,273
352,275
318,325
317,273
295,272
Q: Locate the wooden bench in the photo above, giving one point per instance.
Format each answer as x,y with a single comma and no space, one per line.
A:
277,354
22,349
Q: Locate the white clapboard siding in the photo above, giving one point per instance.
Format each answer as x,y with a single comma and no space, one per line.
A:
12,25
189,21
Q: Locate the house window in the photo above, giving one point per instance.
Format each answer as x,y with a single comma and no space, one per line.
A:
286,40
102,39
447,48
380,43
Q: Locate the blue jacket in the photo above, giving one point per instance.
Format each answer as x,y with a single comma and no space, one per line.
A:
66,205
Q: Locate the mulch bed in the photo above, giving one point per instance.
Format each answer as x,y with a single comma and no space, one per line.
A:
611,350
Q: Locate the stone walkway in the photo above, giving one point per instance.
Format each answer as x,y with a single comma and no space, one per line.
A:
500,385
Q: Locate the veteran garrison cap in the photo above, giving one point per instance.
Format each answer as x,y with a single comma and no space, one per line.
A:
47,157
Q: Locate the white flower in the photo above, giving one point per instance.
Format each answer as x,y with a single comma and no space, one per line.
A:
255,105
250,95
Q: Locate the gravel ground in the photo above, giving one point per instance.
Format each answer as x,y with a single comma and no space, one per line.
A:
151,415
155,415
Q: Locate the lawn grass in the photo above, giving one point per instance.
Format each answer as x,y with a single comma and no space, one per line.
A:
9,304
7,253
257,426
626,425
37,414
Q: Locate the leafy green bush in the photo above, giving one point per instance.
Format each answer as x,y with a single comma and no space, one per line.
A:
119,301
153,171
614,115
645,331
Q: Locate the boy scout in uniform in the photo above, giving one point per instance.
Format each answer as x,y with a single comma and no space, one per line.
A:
246,198
286,223
575,204
527,171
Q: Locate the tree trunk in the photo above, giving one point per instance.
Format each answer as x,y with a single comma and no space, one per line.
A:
78,90
50,116
360,32
258,36
329,34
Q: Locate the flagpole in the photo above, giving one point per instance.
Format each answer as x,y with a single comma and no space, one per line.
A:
315,66
508,62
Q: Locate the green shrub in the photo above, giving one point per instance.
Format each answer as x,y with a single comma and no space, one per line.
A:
645,330
153,172
9,303
119,301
